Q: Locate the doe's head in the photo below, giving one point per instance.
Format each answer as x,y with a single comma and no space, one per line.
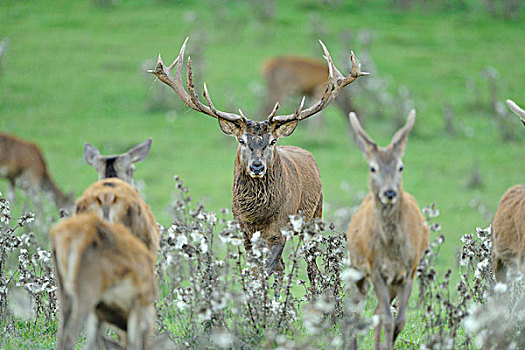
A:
120,166
385,163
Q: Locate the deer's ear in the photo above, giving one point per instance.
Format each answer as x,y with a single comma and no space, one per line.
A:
399,140
90,152
230,128
284,129
363,141
139,152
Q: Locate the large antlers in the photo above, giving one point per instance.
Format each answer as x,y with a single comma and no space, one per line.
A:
336,81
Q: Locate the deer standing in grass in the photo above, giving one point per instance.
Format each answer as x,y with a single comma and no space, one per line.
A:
388,233
508,226
116,201
270,182
104,274
293,75
121,166
22,164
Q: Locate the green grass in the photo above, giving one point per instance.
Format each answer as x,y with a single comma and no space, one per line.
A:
71,75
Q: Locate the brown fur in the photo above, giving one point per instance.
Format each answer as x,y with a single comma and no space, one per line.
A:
508,232
116,201
388,234
22,164
292,185
104,274
293,75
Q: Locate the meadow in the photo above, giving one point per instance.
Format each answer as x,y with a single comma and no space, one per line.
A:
74,71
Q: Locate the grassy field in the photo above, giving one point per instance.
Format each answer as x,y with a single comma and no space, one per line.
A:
72,73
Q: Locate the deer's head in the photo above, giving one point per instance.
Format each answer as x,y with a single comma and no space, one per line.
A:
120,166
385,163
256,139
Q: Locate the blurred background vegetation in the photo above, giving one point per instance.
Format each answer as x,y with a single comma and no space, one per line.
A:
74,71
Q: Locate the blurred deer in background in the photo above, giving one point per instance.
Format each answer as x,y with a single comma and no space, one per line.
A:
23,165
292,75
104,274
508,226
388,233
117,202
270,182
121,166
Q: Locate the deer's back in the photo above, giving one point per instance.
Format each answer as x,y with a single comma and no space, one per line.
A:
395,253
508,226
300,74
126,206
19,157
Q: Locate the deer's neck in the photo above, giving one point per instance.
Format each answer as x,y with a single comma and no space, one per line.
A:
389,219
255,199
49,185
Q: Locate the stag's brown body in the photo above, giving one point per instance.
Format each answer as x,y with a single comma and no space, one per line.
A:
388,242
117,201
22,164
293,75
508,232
104,274
292,185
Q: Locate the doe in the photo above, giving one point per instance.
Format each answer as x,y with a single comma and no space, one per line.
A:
388,233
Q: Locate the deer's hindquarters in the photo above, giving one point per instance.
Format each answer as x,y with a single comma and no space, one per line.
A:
105,274
508,232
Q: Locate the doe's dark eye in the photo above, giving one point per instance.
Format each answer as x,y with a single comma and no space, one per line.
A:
372,169
241,141
401,168
273,142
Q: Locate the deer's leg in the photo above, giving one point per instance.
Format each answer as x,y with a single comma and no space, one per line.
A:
93,338
11,191
360,301
140,323
73,324
275,263
500,269
384,313
403,297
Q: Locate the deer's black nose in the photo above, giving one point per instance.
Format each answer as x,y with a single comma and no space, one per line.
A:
390,194
257,167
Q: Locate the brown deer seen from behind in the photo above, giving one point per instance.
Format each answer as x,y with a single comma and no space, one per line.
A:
270,182
299,76
104,274
23,165
120,166
388,233
508,226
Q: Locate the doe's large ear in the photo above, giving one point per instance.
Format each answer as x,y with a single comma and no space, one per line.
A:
399,140
283,129
361,138
230,128
140,151
90,152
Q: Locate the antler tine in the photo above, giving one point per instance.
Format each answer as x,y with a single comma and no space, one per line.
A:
191,99
274,110
516,109
336,82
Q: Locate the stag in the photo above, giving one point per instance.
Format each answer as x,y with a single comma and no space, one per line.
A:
120,166
270,182
388,233
23,165
508,226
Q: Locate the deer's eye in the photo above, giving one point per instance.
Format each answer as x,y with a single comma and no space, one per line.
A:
401,168
273,142
372,169
241,141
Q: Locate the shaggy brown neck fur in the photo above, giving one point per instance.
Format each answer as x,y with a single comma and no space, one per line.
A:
388,218
256,200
